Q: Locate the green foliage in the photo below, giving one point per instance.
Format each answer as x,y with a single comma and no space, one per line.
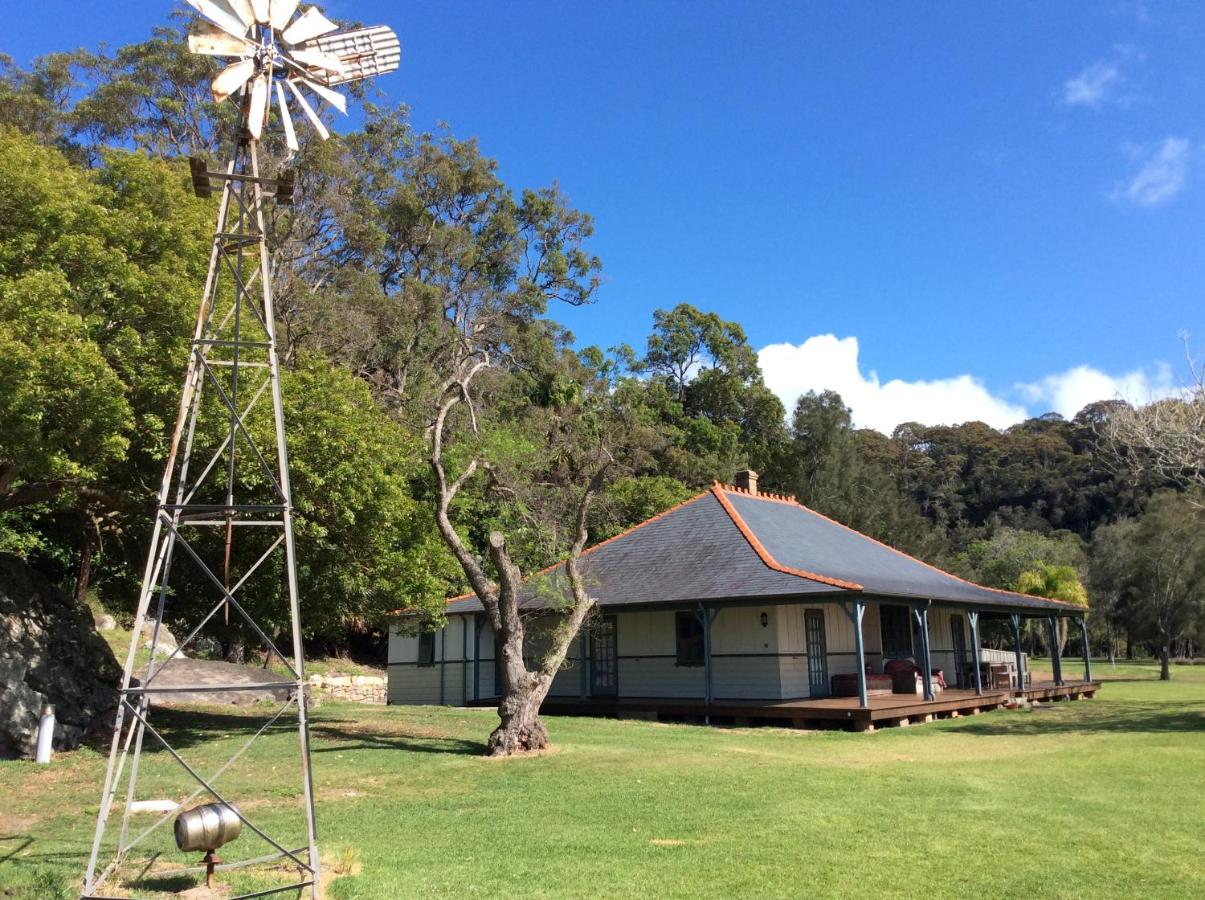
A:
844,474
63,413
629,501
1054,583
1009,553
370,546
1167,570
95,271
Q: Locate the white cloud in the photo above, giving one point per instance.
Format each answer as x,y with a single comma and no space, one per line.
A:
826,362
1093,86
1161,175
1068,392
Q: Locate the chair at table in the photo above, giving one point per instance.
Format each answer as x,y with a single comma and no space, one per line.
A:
1000,676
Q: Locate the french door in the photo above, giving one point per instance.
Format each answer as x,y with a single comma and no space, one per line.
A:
604,664
817,647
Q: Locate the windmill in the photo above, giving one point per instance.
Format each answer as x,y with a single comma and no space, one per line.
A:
222,537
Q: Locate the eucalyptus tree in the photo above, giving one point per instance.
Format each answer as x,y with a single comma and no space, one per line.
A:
1164,438
1168,570
444,285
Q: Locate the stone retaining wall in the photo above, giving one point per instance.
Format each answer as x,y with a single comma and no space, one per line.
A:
354,688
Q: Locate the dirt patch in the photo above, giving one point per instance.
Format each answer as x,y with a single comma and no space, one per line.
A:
14,826
668,842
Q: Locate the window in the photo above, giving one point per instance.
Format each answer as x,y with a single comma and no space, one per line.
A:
426,648
896,625
689,630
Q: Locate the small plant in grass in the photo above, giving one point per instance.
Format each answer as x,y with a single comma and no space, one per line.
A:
346,860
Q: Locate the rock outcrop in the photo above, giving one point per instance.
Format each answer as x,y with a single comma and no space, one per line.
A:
49,653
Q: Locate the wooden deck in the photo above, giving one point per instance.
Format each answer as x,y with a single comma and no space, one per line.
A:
807,712
1042,691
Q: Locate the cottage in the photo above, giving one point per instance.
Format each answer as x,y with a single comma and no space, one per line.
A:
746,605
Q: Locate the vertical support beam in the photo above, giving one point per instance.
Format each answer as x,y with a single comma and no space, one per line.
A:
1083,632
443,656
1016,623
860,653
973,618
584,684
464,660
855,614
707,616
477,624
926,663
1056,663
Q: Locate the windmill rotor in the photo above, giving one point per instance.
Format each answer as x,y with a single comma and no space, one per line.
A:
276,51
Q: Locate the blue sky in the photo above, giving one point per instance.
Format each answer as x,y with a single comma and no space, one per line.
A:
972,210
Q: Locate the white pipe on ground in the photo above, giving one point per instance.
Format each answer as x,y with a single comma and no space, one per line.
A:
45,735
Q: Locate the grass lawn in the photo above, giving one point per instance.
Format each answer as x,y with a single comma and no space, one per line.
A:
1101,798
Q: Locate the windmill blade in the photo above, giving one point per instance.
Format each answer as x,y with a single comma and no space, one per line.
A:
260,9
286,119
312,24
209,40
334,98
365,52
241,9
318,60
219,16
281,12
231,78
309,110
258,108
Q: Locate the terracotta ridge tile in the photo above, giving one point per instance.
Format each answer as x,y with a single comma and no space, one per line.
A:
601,544
718,490
793,502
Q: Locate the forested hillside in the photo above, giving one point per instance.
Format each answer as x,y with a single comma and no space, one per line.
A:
103,249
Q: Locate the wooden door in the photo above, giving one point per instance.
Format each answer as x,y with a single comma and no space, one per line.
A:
604,662
817,647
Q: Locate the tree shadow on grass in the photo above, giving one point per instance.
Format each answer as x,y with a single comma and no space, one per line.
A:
185,727
19,842
1064,719
358,739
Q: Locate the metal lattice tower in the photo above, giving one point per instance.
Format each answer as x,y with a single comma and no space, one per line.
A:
224,517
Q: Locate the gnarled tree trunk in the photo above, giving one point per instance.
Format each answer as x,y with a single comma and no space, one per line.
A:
523,690
520,728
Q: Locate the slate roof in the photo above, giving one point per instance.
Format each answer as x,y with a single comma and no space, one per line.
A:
727,544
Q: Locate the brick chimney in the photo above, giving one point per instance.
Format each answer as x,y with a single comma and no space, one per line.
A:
746,480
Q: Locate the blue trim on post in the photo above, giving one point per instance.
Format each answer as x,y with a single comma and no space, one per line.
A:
856,614
1083,630
707,616
860,649
926,675
443,657
478,624
1016,620
973,617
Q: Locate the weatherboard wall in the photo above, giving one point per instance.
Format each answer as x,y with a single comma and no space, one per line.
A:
749,660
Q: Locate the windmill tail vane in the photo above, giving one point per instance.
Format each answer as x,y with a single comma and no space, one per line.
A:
222,535
279,55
